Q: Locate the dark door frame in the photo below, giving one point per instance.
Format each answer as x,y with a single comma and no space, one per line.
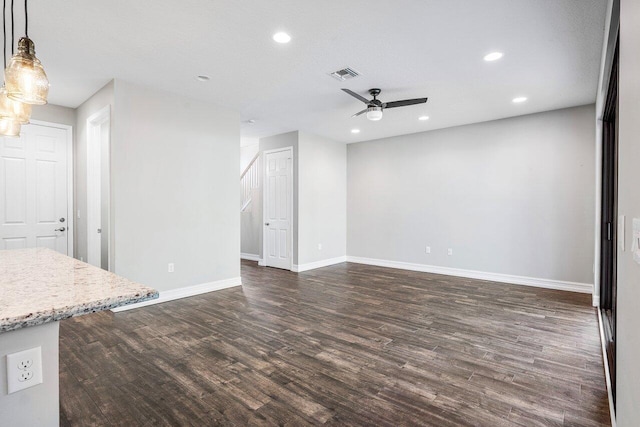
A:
608,239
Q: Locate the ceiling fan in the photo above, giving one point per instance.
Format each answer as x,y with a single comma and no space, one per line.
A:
375,106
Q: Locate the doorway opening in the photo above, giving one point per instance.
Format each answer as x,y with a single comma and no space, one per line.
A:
99,189
608,239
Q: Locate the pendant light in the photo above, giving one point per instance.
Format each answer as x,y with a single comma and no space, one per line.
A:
10,128
25,78
13,110
12,113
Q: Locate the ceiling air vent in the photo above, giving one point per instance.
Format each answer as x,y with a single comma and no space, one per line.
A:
344,74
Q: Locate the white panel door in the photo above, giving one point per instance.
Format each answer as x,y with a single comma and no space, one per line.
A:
33,189
278,209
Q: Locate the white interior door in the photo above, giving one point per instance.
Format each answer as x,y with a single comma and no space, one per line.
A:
278,208
33,189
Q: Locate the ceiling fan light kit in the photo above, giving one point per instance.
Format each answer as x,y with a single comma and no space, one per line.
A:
375,106
374,113
26,82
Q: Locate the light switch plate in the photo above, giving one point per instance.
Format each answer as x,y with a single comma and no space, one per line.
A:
635,245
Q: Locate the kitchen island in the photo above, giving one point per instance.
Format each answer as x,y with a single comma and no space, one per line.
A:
38,288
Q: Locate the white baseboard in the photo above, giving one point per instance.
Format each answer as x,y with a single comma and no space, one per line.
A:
188,291
596,300
607,374
250,257
318,264
261,262
586,288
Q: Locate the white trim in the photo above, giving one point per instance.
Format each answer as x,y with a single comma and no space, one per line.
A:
94,124
586,288
264,201
596,301
249,257
318,264
262,263
188,291
70,182
607,374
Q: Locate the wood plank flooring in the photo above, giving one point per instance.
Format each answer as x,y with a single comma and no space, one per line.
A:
350,345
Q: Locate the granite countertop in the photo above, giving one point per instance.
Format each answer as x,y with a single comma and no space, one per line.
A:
40,285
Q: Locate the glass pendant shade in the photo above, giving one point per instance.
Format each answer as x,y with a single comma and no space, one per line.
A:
13,110
374,113
25,78
9,128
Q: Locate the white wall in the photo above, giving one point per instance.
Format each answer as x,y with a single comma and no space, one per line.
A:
174,189
512,196
322,199
319,208
628,319
54,114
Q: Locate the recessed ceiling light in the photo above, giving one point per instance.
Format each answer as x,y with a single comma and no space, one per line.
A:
519,99
355,130
493,56
203,78
423,118
282,37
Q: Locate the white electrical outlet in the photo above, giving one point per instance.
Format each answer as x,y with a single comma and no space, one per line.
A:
24,369
428,250
319,246
449,251
171,267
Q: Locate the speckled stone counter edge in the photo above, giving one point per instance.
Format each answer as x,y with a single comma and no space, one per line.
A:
34,319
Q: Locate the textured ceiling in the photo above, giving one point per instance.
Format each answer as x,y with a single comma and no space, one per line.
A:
408,48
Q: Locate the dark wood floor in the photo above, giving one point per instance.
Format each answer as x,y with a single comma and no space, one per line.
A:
343,345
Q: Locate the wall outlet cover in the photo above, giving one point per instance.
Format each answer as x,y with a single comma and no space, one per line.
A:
24,369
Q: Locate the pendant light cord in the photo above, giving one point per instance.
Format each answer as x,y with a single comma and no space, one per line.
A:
26,20
4,32
12,32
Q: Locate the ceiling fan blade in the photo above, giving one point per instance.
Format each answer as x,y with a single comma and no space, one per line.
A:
404,103
355,95
360,112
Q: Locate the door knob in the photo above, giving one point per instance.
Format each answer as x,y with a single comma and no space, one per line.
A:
266,223
60,229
